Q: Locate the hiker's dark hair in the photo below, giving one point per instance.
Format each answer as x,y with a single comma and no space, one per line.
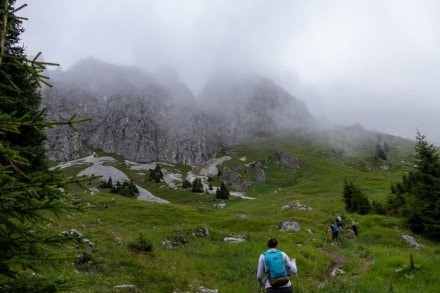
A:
272,242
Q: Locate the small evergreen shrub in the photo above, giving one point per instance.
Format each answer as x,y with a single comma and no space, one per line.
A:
186,184
142,244
127,189
108,184
355,199
223,192
156,175
197,185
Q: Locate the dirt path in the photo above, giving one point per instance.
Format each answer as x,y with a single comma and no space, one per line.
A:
335,267
339,260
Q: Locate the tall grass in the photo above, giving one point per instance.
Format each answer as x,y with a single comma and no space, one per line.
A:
375,262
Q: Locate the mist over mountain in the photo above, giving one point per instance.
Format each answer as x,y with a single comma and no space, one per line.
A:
146,117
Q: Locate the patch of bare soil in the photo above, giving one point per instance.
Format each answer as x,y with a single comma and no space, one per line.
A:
338,262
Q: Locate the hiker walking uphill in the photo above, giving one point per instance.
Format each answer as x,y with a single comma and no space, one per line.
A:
277,266
354,227
334,229
340,223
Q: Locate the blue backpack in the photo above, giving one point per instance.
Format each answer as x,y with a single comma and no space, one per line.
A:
335,228
274,264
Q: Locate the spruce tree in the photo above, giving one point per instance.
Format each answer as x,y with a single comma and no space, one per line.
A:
197,185
156,174
355,199
19,95
417,196
29,193
223,192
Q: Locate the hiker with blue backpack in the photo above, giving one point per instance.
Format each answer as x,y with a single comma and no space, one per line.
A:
277,266
334,229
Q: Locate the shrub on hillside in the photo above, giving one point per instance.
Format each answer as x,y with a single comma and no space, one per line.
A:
186,184
142,244
355,199
156,175
197,185
417,196
108,184
223,192
127,189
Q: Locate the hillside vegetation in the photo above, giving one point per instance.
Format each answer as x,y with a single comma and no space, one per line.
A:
152,246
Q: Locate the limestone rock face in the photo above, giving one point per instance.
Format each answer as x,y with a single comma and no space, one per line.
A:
286,160
259,175
149,117
234,180
285,226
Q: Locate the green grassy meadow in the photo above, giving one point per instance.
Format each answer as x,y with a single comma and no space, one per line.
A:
377,261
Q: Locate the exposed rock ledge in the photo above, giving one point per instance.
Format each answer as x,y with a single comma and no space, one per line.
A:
106,172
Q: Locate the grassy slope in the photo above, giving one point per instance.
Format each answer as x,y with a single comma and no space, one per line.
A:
370,262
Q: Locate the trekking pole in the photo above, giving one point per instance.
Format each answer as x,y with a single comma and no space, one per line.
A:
297,283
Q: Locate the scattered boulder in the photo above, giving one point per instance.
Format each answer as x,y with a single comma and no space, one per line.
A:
220,205
285,226
201,232
235,239
88,242
384,168
241,216
234,180
206,290
126,288
296,206
286,160
83,258
93,190
259,175
176,241
168,244
336,272
72,233
412,242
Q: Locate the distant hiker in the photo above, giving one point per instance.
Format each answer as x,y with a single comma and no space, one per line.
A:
340,223
354,228
277,266
334,229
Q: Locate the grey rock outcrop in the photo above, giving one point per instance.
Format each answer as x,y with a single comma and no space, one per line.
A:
411,241
203,289
286,160
146,117
235,239
296,206
234,180
201,232
259,175
285,226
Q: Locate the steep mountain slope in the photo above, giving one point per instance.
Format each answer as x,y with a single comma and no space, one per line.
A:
146,118
171,255
249,108
131,114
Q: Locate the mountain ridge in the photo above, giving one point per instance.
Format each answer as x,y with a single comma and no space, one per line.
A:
155,117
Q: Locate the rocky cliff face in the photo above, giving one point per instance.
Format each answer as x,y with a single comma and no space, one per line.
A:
145,118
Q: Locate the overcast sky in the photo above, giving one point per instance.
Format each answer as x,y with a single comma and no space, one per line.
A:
376,62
